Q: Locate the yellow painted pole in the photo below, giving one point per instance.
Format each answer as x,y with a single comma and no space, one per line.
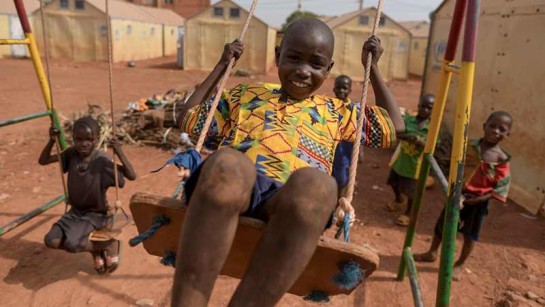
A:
40,73
14,41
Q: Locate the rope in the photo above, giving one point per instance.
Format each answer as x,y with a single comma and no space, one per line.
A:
117,204
179,189
345,201
223,81
57,145
169,259
158,222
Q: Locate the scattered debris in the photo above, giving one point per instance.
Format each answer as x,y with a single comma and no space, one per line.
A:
531,295
148,121
145,302
4,196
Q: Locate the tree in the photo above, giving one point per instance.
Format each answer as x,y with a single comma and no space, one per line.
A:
296,16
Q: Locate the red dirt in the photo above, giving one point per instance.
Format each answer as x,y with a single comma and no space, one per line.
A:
510,256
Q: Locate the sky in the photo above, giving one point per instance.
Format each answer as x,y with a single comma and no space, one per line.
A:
274,12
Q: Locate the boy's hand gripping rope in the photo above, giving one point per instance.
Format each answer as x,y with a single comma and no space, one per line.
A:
345,206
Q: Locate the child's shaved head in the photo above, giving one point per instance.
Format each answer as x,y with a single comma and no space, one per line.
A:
309,27
304,57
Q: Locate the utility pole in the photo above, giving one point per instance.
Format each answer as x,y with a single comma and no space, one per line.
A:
361,5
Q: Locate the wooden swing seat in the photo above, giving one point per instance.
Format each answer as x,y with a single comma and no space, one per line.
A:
107,233
318,274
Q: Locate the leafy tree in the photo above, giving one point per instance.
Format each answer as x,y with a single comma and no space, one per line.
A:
296,16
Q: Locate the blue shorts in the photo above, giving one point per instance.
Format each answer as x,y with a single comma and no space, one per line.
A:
341,162
264,189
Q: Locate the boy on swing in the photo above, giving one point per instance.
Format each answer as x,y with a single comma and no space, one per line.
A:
274,164
90,174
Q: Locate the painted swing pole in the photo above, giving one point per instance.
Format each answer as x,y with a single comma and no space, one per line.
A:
461,131
435,124
30,40
38,67
28,216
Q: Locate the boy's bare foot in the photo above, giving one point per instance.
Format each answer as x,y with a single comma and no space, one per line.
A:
425,257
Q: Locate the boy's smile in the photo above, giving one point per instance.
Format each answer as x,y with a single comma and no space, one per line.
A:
304,58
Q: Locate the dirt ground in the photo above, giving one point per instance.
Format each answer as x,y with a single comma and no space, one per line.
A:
507,263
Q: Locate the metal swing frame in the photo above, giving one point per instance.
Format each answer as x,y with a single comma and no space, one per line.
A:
452,187
30,42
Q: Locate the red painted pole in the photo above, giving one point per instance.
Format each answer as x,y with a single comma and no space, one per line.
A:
20,7
455,29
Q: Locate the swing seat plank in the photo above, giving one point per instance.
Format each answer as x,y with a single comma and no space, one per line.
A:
107,234
318,275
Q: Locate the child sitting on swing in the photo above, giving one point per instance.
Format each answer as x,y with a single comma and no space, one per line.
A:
274,164
90,174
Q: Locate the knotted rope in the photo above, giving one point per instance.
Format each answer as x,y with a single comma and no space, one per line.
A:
345,202
158,222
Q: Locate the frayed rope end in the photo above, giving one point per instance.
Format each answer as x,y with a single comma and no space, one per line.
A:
317,297
349,276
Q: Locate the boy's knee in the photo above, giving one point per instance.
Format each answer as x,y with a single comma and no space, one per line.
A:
311,197
52,242
74,247
314,183
227,178
53,238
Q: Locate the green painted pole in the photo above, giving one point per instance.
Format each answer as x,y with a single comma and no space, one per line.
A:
413,277
417,203
460,138
435,122
24,218
55,120
24,118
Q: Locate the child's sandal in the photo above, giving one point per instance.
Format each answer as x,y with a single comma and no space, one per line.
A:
100,264
112,262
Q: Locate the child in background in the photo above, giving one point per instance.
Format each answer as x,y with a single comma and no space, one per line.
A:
274,163
406,161
343,154
90,174
487,176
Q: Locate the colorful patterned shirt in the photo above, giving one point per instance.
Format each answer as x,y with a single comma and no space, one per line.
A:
407,158
283,136
482,177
